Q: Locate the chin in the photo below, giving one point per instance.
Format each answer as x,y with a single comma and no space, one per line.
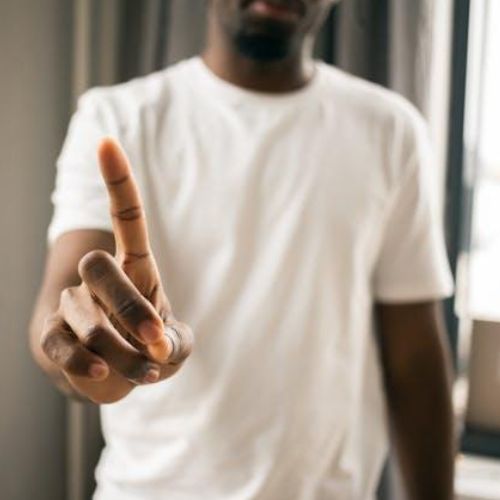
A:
262,48
265,40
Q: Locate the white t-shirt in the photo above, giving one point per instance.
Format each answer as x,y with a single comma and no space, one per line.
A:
277,221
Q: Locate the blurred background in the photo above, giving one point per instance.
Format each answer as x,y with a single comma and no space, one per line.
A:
443,55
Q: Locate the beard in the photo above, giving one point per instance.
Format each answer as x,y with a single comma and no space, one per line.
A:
264,42
262,47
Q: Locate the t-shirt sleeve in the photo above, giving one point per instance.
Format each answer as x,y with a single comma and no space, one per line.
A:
412,263
79,197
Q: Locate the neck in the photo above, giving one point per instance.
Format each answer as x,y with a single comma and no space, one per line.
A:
285,75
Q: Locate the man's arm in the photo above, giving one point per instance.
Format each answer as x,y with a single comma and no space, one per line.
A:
417,371
61,272
103,324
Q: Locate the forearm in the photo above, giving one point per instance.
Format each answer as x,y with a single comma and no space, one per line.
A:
422,421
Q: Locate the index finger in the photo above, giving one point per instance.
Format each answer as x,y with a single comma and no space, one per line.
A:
126,208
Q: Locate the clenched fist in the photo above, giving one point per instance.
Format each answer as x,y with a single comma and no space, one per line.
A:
116,329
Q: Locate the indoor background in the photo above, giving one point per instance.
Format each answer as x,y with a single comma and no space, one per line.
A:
443,55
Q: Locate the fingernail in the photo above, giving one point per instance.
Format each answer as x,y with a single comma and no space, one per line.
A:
98,371
149,331
160,350
152,375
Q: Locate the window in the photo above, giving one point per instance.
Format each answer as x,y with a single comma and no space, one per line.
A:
478,248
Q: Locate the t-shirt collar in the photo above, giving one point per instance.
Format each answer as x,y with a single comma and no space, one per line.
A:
222,89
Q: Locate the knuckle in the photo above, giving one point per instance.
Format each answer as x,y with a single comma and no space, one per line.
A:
94,336
67,295
50,334
94,265
135,370
47,342
129,214
73,362
131,309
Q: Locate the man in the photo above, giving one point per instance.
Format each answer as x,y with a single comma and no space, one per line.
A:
289,212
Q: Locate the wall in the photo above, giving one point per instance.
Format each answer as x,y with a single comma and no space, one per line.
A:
35,55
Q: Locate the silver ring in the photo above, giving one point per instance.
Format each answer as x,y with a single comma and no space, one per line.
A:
175,340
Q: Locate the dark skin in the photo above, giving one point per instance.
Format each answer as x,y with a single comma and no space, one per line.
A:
228,18
103,324
99,287
417,370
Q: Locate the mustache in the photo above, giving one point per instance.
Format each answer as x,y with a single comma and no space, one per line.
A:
296,5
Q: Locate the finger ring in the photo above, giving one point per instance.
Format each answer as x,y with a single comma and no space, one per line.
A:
175,339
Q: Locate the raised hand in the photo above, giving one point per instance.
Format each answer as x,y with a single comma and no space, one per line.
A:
116,330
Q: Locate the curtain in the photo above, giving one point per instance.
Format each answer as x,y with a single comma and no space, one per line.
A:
401,44
388,42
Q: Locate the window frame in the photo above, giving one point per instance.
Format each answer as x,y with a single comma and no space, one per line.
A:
459,206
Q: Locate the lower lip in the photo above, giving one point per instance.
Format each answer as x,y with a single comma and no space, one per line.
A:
262,8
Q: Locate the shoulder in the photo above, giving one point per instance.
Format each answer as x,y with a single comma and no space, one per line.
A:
371,103
118,105
383,119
